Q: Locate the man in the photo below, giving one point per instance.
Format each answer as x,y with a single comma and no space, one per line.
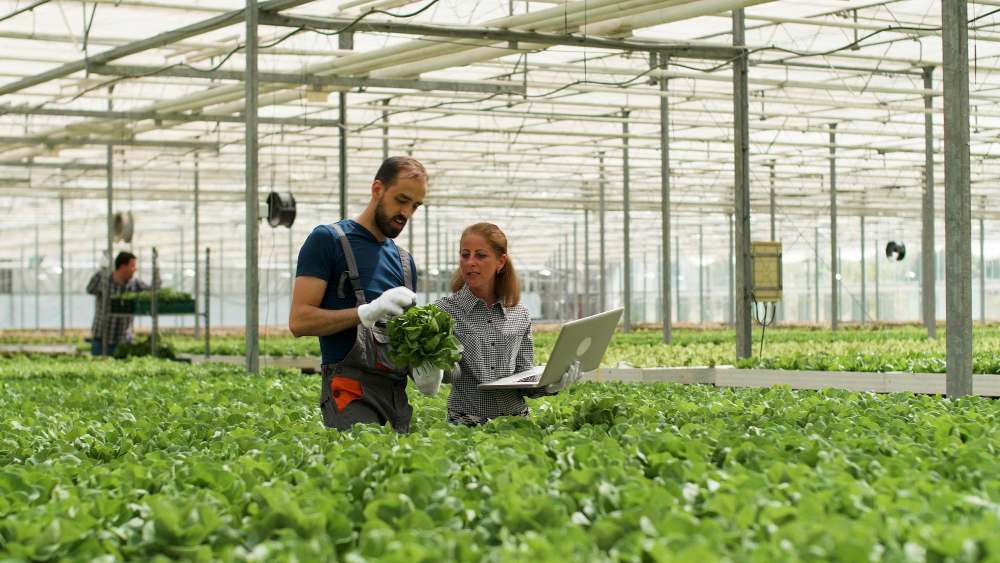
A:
122,280
352,273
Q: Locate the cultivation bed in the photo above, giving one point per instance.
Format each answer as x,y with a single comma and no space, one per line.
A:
721,376
38,349
304,363
726,376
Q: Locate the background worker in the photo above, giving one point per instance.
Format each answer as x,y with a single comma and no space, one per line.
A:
351,273
121,280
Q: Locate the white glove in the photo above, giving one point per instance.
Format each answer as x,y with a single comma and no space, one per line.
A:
572,375
389,303
428,378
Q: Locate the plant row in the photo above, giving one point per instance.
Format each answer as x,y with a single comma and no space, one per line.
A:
152,460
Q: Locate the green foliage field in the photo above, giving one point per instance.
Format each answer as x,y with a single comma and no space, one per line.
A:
155,461
902,348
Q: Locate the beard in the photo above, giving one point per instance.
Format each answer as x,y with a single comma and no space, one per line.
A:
385,223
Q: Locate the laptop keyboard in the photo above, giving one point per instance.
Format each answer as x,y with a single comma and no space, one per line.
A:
530,378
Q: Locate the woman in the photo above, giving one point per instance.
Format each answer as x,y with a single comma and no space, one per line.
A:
494,328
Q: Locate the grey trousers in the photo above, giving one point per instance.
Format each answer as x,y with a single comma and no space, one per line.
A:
352,396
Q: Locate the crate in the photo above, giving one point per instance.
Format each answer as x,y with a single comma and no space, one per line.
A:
123,306
120,306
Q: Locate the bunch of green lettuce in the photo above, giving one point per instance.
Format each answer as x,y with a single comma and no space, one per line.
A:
421,335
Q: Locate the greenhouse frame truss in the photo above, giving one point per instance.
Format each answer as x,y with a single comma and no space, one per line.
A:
538,115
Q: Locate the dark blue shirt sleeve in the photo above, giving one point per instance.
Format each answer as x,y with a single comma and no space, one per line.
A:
413,266
318,254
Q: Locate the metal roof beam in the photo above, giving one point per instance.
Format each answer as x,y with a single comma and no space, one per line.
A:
211,24
484,87
682,50
165,116
52,141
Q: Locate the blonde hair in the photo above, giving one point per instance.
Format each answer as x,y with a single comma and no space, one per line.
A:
506,284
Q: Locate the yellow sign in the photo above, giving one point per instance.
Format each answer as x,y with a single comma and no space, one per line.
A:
766,281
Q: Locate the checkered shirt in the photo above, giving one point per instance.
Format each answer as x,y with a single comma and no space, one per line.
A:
121,327
497,343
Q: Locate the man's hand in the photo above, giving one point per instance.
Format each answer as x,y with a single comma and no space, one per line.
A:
428,378
572,375
391,302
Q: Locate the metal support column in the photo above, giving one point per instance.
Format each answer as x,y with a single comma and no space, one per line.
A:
35,282
62,269
566,273
222,285
779,308
774,207
197,265
864,307
816,276
21,268
440,267
957,197
154,332
587,308
105,283
346,41
878,303
659,273
11,312
252,271
180,265
427,254
677,275
834,293
928,275
809,276
840,280
645,271
559,282
741,137
208,302
385,135
732,288
68,272
409,237
982,272
603,266
576,280
701,276
627,264
668,336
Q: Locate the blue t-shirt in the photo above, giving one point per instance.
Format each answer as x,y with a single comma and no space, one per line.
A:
322,256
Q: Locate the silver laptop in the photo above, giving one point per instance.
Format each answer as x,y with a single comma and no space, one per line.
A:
584,340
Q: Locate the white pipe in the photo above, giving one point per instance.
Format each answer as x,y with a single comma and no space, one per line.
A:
861,27
163,5
625,25
367,60
551,19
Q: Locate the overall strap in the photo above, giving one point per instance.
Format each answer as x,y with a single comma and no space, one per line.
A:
352,268
404,260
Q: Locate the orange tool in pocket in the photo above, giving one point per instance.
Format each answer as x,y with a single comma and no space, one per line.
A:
344,391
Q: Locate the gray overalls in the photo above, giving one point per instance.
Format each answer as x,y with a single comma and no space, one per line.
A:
366,388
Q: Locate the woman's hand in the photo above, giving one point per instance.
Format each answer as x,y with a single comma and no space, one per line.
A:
572,375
